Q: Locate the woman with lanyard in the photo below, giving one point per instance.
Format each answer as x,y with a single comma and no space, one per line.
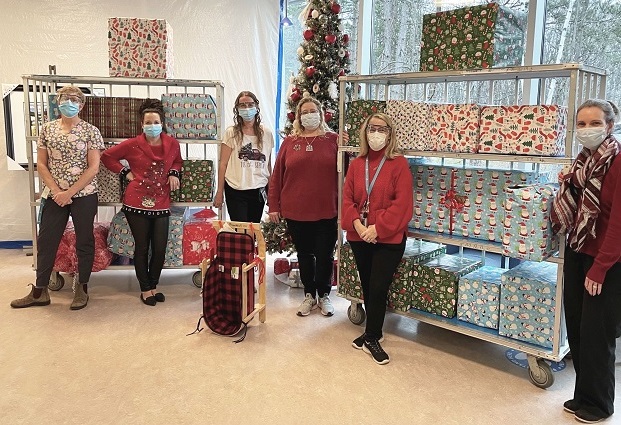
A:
377,206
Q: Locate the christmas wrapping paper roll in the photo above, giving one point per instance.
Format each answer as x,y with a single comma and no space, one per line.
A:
472,37
455,127
115,117
120,238
434,283
197,180
66,257
523,130
53,111
140,48
174,247
412,122
478,297
527,229
357,112
190,116
527,303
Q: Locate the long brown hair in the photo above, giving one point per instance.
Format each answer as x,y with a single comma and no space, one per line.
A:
239,121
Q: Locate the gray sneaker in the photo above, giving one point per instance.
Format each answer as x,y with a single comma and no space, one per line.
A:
327,309
30,301
307,305
80,298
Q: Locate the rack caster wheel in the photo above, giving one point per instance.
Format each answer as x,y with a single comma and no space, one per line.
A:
541,375
197,279
356,314
56,282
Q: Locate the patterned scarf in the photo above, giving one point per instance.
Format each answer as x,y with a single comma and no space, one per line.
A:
582,186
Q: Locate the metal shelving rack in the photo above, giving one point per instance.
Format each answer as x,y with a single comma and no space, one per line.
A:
37,89
515,85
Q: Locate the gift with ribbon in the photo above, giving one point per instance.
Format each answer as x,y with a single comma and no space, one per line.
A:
454,202
199,236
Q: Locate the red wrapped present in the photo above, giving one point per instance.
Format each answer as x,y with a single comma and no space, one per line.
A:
66,257
199,238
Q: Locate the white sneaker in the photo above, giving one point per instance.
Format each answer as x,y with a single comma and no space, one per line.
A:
326,306
307,305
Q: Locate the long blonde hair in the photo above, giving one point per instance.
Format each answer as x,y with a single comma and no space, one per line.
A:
298,128
391,146
239,122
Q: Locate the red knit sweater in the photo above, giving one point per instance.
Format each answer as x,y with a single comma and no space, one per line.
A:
303,185
390,206
606,247
149,169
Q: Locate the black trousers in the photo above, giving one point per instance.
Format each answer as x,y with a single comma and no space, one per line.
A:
376,265
150,234
592,323
244,205
54,219
314,243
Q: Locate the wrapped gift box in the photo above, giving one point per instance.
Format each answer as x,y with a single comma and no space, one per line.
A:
197,181
190,115
478,297
66,257
523,130
527,303
412,122
199,237
115,117
455,127
434,283
349,281
527,226
174,247
357,112
140,48
483,36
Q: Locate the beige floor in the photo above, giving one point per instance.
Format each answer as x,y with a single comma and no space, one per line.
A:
121,362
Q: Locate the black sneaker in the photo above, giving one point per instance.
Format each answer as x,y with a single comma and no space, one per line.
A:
358,342
571,406
584,416
376,351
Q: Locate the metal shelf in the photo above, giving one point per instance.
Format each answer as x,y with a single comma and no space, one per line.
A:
66,79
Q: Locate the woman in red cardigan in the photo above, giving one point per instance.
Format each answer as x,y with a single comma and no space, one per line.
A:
154,166
377,206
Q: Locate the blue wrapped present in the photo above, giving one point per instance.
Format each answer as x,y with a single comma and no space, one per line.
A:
478,297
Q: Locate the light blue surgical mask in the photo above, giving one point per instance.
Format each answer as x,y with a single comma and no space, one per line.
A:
69,109
152,130
247,114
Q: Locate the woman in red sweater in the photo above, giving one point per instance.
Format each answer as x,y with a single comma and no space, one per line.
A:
377,206
303,190
588,209
154,166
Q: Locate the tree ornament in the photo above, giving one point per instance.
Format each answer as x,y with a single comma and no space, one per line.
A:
328,115
333,90
346,53
295,96
345,38
341,28
316,88
308,35
330,38
341,52
291,116
308,58
300,51
341,72
335,8
310,71
315,13
306,94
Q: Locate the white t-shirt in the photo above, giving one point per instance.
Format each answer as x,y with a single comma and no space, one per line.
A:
247,167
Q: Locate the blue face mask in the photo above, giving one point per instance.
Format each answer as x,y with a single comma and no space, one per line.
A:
69,109
152,130
247,114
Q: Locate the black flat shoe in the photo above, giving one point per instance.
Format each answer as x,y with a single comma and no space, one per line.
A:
159,297
149,300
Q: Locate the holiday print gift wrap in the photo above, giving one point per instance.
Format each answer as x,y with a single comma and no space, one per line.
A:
349,280
478,297
140,48
115,117
528,302
472,37
199,238
434,283
120,238
412,122
357,112
197,180
527,229
174,247
190,116
66,257
523,130
455,127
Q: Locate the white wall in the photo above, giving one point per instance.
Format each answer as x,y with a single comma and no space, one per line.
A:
234,41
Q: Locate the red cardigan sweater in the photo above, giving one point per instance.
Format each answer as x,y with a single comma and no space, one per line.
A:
303,185
391,203
149,169
606,248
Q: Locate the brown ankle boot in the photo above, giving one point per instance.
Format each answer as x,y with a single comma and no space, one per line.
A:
30,301
80,299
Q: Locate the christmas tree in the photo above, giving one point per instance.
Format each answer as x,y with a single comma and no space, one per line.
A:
324,57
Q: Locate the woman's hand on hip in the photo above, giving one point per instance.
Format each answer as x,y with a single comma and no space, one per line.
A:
173,182
274,217
218,200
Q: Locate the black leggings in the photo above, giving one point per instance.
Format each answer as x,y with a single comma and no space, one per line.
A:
244,205
148,232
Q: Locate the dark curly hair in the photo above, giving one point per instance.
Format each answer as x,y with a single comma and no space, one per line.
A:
153,105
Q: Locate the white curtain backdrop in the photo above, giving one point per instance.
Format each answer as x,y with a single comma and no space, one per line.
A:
234,41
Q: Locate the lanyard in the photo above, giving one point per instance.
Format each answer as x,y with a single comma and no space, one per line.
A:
366,176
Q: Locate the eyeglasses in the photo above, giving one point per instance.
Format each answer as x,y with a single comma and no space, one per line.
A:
378,128
64,98
246,105
314,111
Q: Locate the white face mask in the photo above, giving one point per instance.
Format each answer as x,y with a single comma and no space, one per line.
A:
310,121
591,137
376,140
